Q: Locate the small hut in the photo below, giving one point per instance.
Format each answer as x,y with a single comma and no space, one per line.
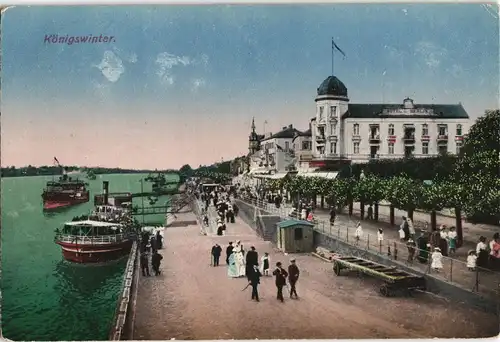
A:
295,236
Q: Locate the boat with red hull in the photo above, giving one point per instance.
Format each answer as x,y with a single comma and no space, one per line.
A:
64,193
90,241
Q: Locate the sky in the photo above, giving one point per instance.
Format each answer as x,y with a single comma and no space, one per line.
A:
180,84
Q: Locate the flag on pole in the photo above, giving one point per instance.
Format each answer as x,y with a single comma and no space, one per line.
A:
55,159
335,46
279,147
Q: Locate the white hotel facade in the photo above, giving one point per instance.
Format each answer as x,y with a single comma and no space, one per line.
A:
341,133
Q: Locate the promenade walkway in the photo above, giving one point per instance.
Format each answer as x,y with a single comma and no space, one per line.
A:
192,300
455,269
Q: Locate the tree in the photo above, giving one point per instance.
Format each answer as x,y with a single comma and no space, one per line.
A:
186,170
478,166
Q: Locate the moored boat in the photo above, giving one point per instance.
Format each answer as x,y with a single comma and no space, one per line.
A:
64,192
91,241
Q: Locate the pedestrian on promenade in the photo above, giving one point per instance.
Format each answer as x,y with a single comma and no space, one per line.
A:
404,227
265,262
411,227
369,213
159,240
216,252
155,262
482,254
452,241
358,234
333,214
254,281
412,247
471,260
252,259
293,277
229,251
154,246
443,240
144,264
280,275
437,260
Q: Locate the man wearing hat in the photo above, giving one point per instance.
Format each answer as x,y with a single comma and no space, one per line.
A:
254,280
293,276
280,275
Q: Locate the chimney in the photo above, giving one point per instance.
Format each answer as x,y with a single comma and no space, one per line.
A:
105,189
290,126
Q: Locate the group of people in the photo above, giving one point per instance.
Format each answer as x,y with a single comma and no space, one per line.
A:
226,210
150,244
246,264
485,255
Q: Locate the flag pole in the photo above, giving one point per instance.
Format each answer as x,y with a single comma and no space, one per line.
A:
333,57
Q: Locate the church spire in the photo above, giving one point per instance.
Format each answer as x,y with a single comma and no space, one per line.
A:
253,125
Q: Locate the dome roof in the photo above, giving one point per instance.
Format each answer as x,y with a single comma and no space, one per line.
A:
332,86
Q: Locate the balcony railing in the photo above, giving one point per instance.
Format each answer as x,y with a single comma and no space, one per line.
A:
93,240
320,138
409,139
374,139
442,137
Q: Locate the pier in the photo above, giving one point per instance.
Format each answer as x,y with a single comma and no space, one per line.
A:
193,300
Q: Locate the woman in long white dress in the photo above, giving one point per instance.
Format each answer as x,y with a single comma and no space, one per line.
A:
239,260
232,271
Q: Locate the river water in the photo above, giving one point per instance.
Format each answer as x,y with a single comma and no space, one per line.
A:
45,297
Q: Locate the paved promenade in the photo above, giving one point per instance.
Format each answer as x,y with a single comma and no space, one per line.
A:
192,300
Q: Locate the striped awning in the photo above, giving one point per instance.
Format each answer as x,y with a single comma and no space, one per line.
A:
326,175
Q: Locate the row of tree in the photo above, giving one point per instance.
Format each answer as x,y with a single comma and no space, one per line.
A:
29,170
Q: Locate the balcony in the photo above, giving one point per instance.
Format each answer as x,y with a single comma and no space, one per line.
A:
425,138
409,139
356,137
442,138
320,138
374,139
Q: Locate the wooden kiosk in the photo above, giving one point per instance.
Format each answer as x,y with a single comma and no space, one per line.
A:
295,236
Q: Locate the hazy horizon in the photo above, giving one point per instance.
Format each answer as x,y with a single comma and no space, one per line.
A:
180,84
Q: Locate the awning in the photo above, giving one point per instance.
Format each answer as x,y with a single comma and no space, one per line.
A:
326,175
278,175
260,170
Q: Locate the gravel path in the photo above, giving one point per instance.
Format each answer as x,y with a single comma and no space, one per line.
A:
192,300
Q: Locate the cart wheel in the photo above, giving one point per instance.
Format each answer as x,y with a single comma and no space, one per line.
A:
336,268
385,290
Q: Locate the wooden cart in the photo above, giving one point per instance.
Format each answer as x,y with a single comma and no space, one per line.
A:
395,280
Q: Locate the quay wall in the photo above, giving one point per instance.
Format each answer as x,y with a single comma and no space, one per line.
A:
122,325
256,218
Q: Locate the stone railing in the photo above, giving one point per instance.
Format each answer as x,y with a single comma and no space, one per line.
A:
124,309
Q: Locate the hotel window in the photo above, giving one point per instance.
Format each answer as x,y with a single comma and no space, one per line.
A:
356,148
425,148
305,146
425,129
287,146
333,128
391,148
333,148
391,129
355,130
442,130
459,130
459,147
333,111
321,113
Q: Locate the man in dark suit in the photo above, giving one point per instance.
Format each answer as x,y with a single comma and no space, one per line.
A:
216,252
280,275
252,259
254,280
293,276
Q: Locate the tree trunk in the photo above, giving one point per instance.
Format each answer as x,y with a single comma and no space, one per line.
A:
375,212
410,213
391,214
460,233
362,210
322,201
351,204
433,221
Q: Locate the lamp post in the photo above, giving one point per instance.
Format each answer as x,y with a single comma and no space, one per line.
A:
142,199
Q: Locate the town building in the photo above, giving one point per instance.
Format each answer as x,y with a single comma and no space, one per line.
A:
341,133
362,132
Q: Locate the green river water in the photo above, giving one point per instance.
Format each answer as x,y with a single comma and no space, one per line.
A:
45,297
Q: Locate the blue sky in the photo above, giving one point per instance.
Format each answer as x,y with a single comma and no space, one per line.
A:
193,69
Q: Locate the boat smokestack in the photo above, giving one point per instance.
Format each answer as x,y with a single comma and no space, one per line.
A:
105,188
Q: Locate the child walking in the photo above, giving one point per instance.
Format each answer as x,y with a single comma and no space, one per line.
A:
437,260
471,260
264,261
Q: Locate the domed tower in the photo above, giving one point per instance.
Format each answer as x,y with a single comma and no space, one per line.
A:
253,140
331,103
